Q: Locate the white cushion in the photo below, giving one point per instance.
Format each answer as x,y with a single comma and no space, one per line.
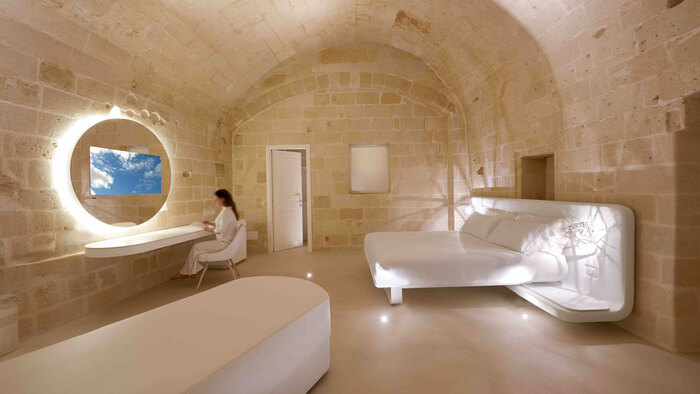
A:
499,212
552,221
521,236
557,239
480,225
495,212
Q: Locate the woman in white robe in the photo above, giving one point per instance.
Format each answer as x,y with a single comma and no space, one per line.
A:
224,227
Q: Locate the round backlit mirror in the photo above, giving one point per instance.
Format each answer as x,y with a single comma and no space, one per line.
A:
120,172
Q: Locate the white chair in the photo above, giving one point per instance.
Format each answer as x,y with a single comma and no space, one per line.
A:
227,254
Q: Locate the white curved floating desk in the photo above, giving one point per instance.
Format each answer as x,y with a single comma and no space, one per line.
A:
144,242
252,335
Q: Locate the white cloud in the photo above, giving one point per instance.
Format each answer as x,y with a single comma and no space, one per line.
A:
153,173
129,160
130,165
99,179
98,158
113,168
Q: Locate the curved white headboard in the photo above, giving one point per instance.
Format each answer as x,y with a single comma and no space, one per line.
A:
600,282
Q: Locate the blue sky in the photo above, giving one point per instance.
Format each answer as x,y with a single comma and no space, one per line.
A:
116,172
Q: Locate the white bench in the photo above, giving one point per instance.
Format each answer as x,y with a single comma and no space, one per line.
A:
258,334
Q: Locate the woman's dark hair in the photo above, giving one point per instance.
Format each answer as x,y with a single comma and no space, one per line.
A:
228,200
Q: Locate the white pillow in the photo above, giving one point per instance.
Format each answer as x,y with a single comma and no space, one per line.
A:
557,239
495,212
480,225
490,212
552,221
523,237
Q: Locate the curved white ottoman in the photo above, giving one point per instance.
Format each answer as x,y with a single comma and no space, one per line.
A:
253,335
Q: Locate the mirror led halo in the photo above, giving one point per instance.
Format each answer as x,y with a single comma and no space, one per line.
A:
61,172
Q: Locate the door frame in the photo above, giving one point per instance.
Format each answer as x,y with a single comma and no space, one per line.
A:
268,178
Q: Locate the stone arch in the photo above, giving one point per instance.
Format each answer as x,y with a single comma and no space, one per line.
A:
356,103
358,65
284,88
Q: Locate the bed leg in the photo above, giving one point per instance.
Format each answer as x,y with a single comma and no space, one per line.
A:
394,294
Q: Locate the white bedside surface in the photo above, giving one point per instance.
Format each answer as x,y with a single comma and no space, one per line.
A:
144,242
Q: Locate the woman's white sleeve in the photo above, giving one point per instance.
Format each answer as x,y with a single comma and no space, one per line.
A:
219,224
227,227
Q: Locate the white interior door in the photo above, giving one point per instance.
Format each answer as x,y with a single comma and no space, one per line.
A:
287,202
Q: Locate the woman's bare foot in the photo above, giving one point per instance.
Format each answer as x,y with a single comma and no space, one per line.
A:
181,276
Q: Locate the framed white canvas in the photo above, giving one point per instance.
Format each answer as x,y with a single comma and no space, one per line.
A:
369,168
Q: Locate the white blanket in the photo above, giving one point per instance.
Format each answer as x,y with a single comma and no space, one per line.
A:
450,258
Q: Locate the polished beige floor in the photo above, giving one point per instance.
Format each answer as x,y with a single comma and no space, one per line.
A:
460,340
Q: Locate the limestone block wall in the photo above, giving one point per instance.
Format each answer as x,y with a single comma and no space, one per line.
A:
9,331
613,112
339,97
418,137
598,83
682,271
53,72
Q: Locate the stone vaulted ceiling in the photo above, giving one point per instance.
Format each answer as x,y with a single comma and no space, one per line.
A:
225,46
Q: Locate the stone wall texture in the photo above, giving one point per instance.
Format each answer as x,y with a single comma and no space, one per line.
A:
606,86
9,328
52,73
615,111
341,97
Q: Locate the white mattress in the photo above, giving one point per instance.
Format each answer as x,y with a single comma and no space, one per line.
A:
449,258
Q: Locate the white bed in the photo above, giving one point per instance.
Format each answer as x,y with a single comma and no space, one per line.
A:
451,258
591,280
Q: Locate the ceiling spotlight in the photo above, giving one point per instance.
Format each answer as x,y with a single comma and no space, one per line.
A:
524,316
309,275
384,319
